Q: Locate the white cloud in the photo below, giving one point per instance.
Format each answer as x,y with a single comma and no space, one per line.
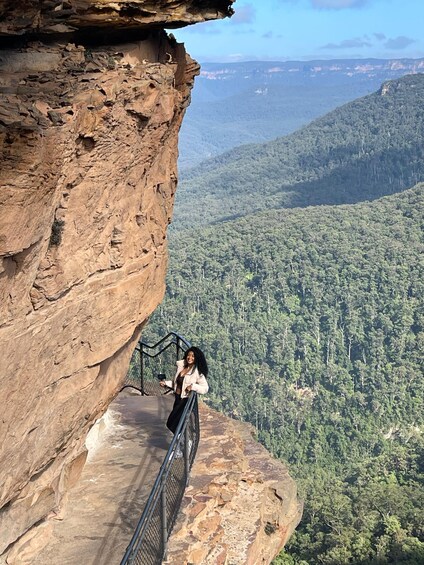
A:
338,4
348,44
399,42
331,4
379,36
236,57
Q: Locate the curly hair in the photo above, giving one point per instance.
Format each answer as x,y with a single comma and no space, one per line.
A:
199,360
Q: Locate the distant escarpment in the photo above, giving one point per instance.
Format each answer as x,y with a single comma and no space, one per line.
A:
257,101
88,136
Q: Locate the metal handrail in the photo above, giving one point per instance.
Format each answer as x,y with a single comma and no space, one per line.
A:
174,334
135,552
140,352
148,545
159,352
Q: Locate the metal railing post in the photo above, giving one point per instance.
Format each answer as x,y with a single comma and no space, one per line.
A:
186,454
145,350
141,368
177,341
164,520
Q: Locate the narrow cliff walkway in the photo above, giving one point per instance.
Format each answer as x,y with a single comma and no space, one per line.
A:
240,506
106,504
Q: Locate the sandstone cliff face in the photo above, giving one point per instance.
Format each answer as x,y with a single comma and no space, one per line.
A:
88,139
88,176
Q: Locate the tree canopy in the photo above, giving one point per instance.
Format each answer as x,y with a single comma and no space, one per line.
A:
313,323
305,288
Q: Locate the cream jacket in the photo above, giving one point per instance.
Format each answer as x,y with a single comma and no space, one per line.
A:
197,381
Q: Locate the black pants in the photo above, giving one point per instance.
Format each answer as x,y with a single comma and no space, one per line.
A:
176,413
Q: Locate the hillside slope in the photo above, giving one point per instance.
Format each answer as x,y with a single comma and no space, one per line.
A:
257,101
361,151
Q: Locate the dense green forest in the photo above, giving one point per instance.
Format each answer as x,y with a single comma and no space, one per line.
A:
366,149
253,102
313,323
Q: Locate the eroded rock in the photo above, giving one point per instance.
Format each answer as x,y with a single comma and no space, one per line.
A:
88,175
64,16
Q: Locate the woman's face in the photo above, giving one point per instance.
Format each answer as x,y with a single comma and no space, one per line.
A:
190,358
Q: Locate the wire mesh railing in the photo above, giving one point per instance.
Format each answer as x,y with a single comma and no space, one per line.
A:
148,362
148,545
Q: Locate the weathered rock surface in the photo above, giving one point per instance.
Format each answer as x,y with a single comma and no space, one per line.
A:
88,138
64,16
241,505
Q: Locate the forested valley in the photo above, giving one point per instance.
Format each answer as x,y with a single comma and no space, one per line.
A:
363,150
256,101
313,323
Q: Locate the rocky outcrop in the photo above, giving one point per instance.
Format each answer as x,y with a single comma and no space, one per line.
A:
88,136
239,508
241,505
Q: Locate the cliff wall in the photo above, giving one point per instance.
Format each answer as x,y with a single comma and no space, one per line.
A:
88,139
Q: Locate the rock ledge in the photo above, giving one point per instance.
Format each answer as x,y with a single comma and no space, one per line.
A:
66,16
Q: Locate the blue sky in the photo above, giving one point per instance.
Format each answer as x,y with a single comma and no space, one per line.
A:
310,29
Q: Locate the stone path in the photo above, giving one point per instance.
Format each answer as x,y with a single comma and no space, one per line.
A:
236,491
106,504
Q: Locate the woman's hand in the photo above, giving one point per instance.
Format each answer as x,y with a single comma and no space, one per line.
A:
162,383
188,388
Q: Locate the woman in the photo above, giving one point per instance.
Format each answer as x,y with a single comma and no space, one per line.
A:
191,375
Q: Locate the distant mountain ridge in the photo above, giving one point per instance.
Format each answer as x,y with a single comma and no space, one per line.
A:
253,102
361,151
276,69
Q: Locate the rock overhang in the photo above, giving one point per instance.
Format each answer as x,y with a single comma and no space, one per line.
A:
52,17
88,135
